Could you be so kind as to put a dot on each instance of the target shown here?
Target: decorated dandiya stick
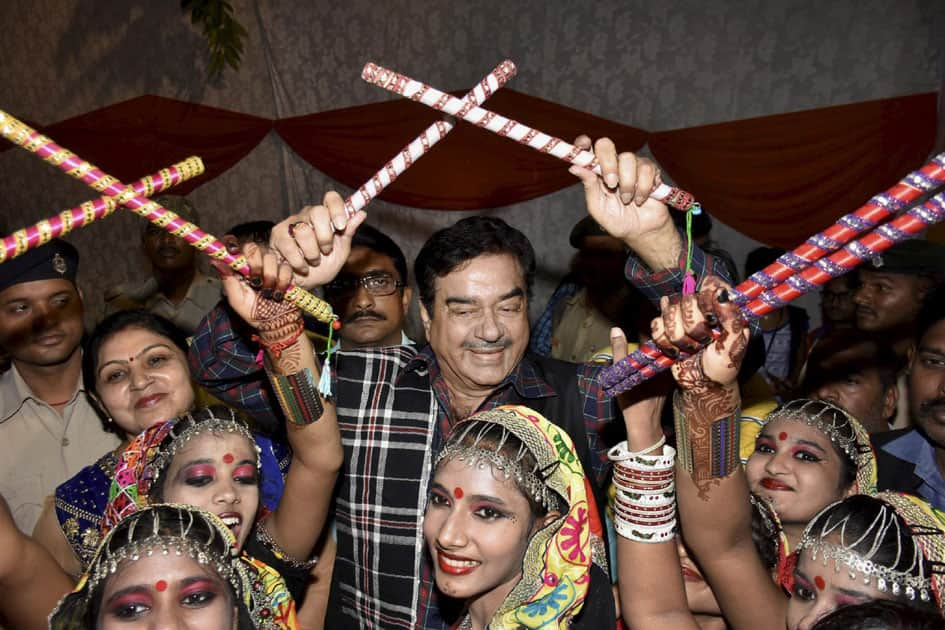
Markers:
(43, 231)
(505, 127)
(868, 216)
(425, 141)
(24, 136)
(649, 360)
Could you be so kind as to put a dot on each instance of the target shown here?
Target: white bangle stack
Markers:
(645, 505)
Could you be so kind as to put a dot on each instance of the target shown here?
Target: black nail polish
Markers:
(724, 297)
(255, 282)
(266, 293)
(277, 295)
(672, 353)
(705, 340)
(711, 319)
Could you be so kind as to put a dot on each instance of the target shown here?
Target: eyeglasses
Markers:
(379, 284)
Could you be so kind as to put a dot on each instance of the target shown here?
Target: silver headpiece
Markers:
(215, 419)
(531, 478)
(162, 529)
(840, 427)
(857, 553)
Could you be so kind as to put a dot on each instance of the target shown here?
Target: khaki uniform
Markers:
(203, 295)
(39, 449)
(579, 332)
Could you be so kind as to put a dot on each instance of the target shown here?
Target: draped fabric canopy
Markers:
(798, 171)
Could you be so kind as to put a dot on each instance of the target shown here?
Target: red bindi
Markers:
(819, 582)
(228, 458)
(782, 435)
(160, 586)
(458, 492)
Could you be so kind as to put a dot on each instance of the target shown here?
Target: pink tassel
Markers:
(689, 284)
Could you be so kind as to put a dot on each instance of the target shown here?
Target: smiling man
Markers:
(396, 405)
(48, 430)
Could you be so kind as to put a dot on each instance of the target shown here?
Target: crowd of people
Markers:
(208, 456)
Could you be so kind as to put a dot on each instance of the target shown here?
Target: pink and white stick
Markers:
(506, 127)
(425, 141)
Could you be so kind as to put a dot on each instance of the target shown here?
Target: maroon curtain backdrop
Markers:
(468, 170)
(142, 135)
(781, 178)
(777, 178)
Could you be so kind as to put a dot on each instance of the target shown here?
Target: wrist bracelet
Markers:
(298, 396)
(263, 536)
(714, 456)
(621, 452)
(645, 534)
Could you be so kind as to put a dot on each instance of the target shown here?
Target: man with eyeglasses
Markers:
(396, 405)
(370, 294)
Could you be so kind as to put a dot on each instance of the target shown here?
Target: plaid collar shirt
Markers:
(394, 412)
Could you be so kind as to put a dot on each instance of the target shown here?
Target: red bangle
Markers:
(276, 347)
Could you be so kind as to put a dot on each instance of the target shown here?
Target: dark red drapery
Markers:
(469, 169)
(776, 178)
(781, 178)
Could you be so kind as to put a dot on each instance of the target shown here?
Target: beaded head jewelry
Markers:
(143, 462)
(480, 442)
(543, 463)
(158, 529)
(893, 541)
(842, 429)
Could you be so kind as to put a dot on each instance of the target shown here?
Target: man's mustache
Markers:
(362, 314)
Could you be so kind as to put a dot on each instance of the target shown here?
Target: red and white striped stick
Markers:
(42, 232)
(425, 141)
(505, 127)
(861, 220)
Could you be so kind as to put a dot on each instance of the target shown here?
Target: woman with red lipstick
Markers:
(507, 527)
(809, 455)
(871, 553)
(165, 566)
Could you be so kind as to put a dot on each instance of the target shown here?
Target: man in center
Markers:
(396, 405)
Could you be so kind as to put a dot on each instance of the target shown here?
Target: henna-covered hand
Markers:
(259, 300)
(688, 324)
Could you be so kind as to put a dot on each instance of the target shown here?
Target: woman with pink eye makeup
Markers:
(507, 527)
(858, 549)
(166, 566)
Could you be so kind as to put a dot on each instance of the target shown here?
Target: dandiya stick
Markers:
(649, 360)
(21, 134)
(868, 216)
(425, 141)
(43, 231)
(505, 127)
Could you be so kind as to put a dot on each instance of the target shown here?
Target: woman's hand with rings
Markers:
(316, 241)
